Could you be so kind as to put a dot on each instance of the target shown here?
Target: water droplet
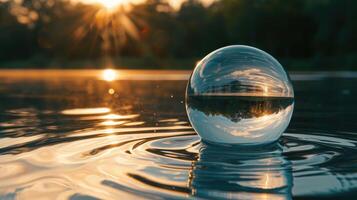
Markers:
(239, 95)
(111, 91)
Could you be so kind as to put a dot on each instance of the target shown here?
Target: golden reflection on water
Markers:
(110, 117)
(85, 111)
(112, 123)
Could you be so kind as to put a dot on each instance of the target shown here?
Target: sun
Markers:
(112, 4)
(107, 4)
(110, 20)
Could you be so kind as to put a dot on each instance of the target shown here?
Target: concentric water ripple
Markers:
(169, 161)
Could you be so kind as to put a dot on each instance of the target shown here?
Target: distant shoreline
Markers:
(134, 74)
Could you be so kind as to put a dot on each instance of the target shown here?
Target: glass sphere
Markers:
(239, 95)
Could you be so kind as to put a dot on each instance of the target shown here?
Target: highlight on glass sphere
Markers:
(239, 95)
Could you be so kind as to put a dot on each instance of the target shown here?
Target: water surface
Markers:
(101, 135)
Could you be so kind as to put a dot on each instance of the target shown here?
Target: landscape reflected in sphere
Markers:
(239, 95)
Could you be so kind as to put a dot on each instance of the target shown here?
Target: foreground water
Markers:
(104, 135)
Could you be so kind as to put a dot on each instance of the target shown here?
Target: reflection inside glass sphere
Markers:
(239, 95)
(240, 119)
(241, 173)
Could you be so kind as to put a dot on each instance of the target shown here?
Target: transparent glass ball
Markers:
(239, 95)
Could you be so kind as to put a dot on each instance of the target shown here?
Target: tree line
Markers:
(302, 34)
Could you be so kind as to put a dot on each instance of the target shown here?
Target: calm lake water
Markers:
(108, 134)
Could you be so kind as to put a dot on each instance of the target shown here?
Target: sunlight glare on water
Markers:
(85, 111)
(109, 75)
